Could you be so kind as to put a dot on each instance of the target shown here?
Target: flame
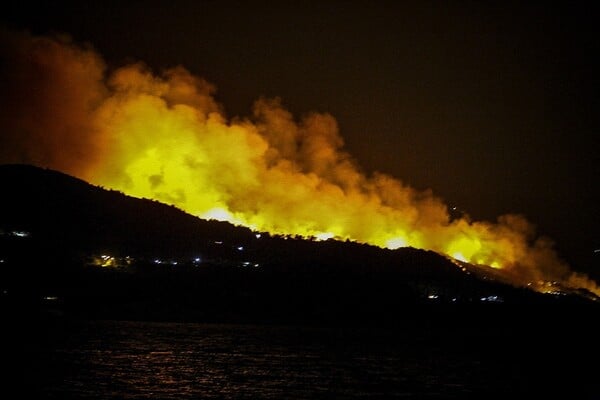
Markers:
(164, 137)
(395, 243)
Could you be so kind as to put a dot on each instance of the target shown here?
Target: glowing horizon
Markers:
(165, 137)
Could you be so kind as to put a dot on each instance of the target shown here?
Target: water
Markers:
(149, 360)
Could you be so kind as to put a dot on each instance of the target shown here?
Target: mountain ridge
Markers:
(107, 254)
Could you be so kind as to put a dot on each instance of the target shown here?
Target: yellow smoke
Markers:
(165, 137)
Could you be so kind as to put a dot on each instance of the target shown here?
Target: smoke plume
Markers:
(163, 136)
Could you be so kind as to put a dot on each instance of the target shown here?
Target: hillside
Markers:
(99, 253)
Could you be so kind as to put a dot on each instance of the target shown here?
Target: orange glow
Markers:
(165, 137)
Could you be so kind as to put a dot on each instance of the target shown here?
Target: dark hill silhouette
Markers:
(65, 209)
(167, 264)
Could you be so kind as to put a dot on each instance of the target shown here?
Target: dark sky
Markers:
(495, 107)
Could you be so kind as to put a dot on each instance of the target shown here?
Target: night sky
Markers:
(493, 108)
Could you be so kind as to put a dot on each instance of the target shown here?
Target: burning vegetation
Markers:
(165, 137)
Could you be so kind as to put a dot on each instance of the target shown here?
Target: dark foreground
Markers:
(441, 353)
(245, 315)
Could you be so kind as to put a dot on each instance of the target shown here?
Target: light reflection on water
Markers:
(144, 360)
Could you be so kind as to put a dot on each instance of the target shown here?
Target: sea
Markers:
(106, 359)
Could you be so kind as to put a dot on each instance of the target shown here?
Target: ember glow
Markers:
(165, 137)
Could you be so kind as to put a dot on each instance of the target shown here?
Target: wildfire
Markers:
(165, 137)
